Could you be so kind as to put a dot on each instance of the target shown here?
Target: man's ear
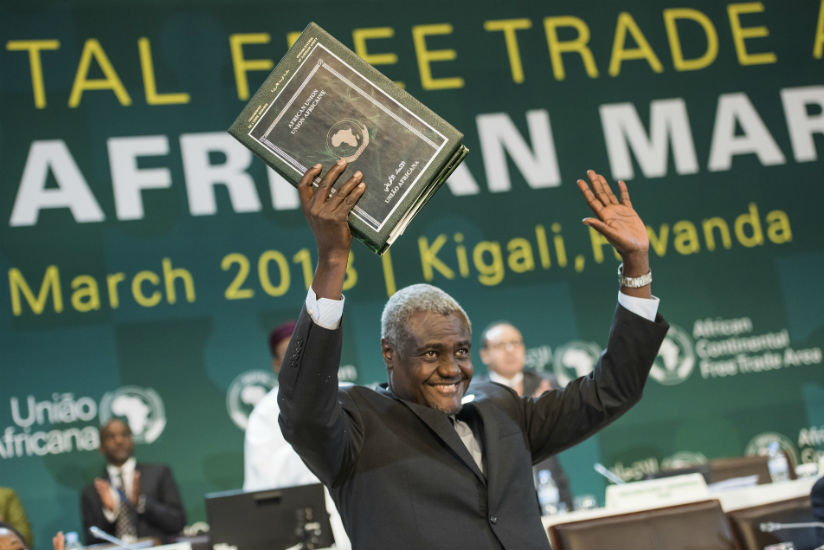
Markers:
(388, 353)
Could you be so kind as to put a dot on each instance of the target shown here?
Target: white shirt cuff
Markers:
(645, 307)
(325, 312)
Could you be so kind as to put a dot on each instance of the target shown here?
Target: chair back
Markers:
(740, 466)
(693, 526)
(746, 525)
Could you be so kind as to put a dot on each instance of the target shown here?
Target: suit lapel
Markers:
(439, 423)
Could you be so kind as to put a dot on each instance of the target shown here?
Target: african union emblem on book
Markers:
(322, 102)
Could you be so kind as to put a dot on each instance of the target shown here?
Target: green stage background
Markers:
(144, 254)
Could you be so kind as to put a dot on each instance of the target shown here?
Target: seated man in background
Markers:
(12, 513)
(131, 500)
(269, 462)
(504, 354)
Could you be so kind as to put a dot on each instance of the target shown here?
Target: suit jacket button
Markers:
(493, 519)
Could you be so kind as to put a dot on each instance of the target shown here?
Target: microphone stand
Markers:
(604, 471)
(770, 526)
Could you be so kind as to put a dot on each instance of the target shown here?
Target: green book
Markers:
(322, 102)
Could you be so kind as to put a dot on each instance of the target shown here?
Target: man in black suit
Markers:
(131, 500)
(414, 463)
(504, 354)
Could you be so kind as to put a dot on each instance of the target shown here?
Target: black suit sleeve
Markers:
(561, 418)
(164, 507)
(312, 419)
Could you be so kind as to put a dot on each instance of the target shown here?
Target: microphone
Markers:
(604, 471)
(770, 526)
(101, 534)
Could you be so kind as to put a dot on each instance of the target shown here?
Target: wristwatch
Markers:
(633, 282)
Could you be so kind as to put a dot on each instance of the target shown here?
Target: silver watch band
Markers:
(633, 282)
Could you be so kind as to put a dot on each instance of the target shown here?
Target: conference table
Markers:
(730, 499)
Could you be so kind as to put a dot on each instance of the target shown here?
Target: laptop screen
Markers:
(272, 519)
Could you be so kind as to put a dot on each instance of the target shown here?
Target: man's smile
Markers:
(447, 388)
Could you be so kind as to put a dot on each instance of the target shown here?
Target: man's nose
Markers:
(449, 367)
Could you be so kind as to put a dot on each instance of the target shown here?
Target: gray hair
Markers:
(405, 302)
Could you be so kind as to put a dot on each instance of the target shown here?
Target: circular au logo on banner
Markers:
(759, 445)
(141, 407)
(676, 358)
(245, 391)
(538, 358)
(574, 359)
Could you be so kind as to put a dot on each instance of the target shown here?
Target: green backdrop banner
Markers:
(145, 254)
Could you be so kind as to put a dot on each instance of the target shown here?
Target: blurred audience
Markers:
(10, 538)
(12, 514)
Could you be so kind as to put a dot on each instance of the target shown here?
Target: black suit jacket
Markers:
(163, 517)
(531, 381)
(399, 473)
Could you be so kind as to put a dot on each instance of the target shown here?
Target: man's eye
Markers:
(462, 352)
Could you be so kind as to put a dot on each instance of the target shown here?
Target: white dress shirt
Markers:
(508, 382)
(127, 469)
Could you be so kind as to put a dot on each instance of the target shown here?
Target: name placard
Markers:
(651, 492)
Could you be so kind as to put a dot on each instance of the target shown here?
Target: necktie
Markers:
(124, 524)
(468, 438)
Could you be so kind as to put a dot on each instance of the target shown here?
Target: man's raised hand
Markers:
(619, 223)
(327, 211)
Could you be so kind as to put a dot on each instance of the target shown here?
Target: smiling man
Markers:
(418, 462)
(426, 341)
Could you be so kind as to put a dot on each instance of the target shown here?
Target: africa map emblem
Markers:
(141, 407)
(347, 139)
